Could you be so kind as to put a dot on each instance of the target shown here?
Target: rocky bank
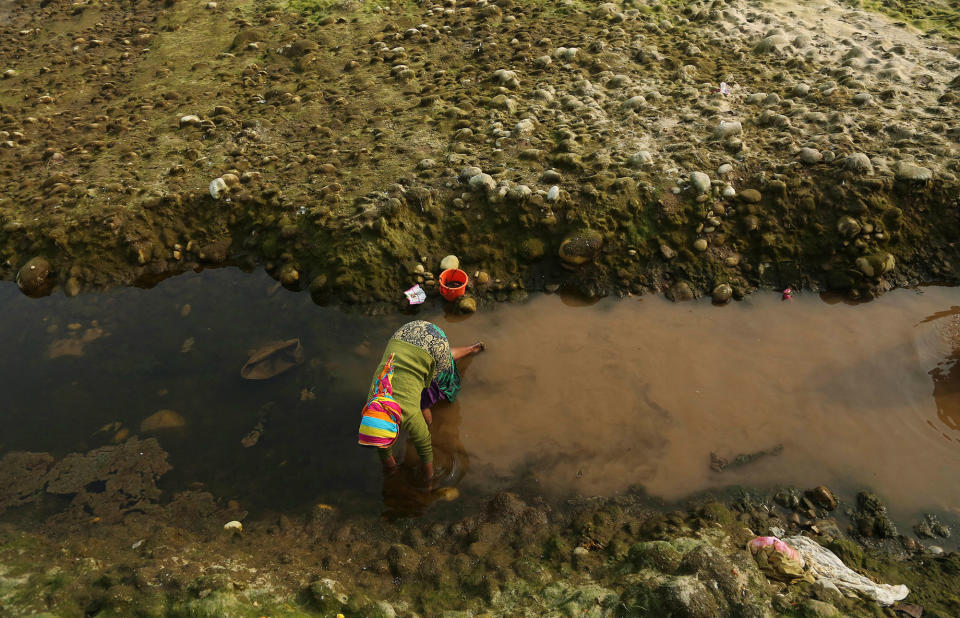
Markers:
(606, 147)
(91, 534)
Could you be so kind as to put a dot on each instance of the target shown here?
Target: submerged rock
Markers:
(162, 419)
(272, 359)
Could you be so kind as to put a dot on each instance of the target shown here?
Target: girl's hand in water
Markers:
(425, 483)
(389, 466)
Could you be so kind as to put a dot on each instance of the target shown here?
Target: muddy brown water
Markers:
(569, 397)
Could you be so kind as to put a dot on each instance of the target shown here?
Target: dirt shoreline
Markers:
(585, 145)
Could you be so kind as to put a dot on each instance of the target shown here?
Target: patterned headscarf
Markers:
(380, 422)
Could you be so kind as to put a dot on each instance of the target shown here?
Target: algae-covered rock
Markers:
(750, 196)
(532, 249)
(722, 294)
(848, 227)
(819, 609)
(21, 477)
(581, 247)
(403, 560)
(683, 596)
(876, 265)
(658, 555)
(909, 171)
(680, 291)
(328, 595)
(467, 304)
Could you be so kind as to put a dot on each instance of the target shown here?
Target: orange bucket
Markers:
(453, 283)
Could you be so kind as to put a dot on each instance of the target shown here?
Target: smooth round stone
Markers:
(729, 191)
(449, 262)
(700, 244)
(34, 278)
(467, 304)
(724, 169)
(722, 294)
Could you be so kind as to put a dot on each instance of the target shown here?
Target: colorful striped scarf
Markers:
(380, 422)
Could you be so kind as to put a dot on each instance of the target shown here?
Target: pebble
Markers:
(189, 120)
(700, 182)
(553, 194)
(635, 102)
(233, 526)
(467, 304)
(217, 188)
(700, 244)
(728, 191)
(750, 196)
(724, 169)
(667, 252)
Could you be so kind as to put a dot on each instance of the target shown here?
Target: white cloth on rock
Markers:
(827, 567)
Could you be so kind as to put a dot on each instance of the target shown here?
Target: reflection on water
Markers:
(591, 399)
(946, 375)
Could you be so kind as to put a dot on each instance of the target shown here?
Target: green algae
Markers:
(939, 15)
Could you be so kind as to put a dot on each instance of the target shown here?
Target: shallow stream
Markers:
(567, 398)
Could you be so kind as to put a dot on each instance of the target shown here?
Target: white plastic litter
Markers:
(827, 568)
(416, 295)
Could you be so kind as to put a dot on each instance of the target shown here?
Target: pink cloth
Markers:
(760, 542)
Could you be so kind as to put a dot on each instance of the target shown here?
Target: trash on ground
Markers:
(416, 295)
(272, 359)
(777, 560)
(799, 558)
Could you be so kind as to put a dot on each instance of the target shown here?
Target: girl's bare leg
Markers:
(467, 350)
